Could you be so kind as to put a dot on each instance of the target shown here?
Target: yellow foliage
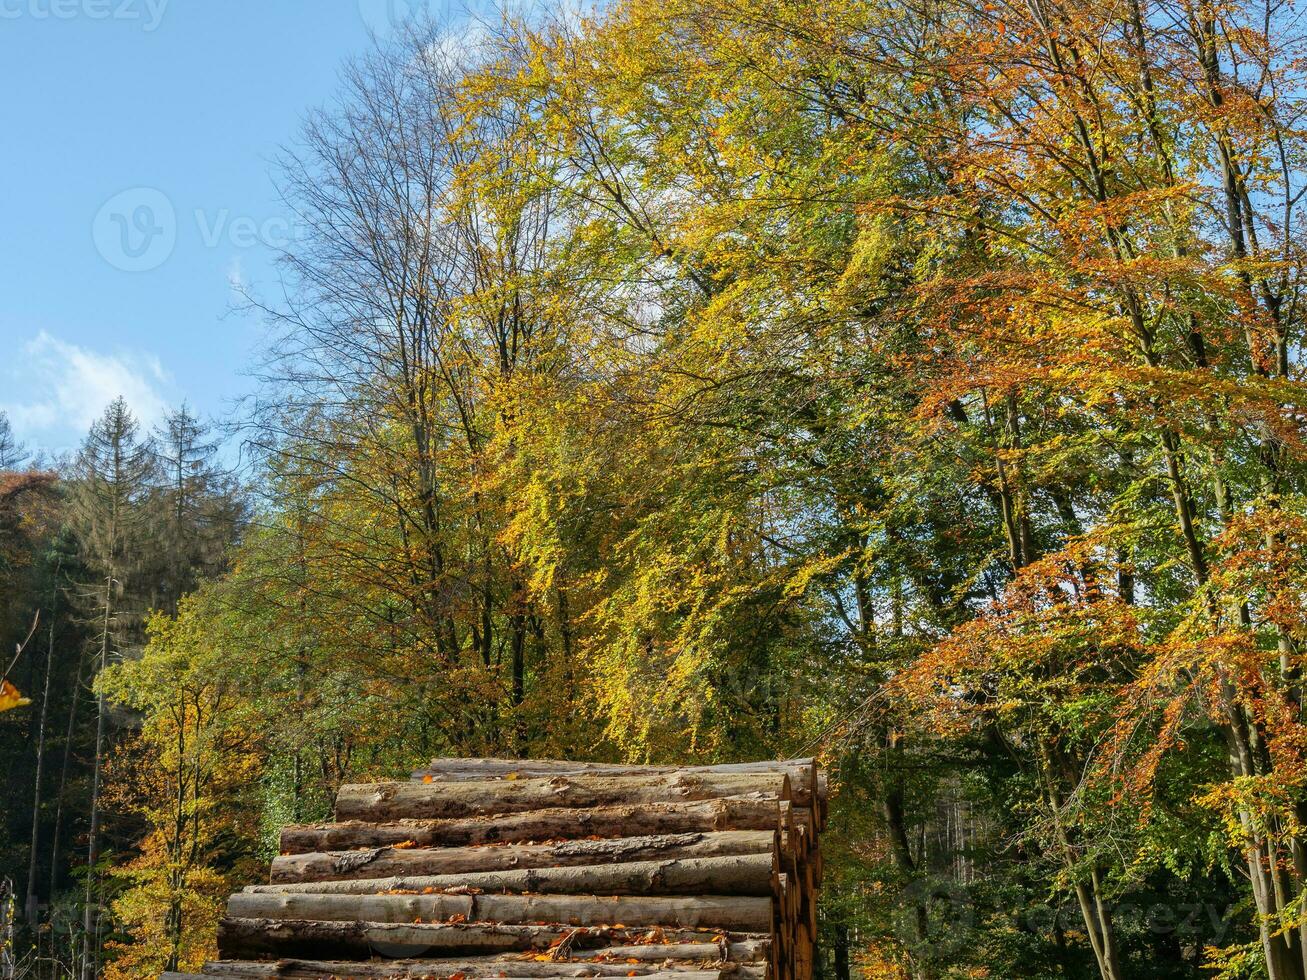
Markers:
(10, 698)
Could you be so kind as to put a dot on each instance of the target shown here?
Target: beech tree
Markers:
(919, 384)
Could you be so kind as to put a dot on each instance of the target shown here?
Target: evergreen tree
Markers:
(197, 507)
(112, 478)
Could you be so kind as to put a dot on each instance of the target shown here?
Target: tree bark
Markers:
(745, 874)
(803, 773)
(739, 813)
(388, 861)
(386, 801)
(736, 913)
(583, 962)
(497, 967)
(254, 938)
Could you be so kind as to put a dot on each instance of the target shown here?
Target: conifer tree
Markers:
(113, 474)
(196, 507)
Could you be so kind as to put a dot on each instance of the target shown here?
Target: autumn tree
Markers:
(917, 383)
(185, 775)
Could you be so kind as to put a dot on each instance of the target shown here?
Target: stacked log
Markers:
(533, 869)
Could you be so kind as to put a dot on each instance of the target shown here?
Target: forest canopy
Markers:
(915, 384)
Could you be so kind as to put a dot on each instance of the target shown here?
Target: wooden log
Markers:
(476, 968)
(275, 938)
(499, 768)
(389, 801)
(782, 932)
(803, 773)
(555, 823)
(602, 961)
(511, 858)
(746, 951)
(732, 912)
(384, 862)
(743, 874)
(803, 959)
(799, 822)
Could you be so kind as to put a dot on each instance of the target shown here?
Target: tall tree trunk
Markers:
(63, 781)
(90, 918)
(30, 903)
(894, 812)
(841, 952)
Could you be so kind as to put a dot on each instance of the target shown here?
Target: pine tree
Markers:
(113, 474)
(197, 507)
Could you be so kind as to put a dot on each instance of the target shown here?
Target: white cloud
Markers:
(59, 389)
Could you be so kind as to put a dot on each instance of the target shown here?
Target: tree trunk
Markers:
(1094, 909)
(63, 782)
(841, 952)
(90, 918)
(894, 811)
(30, 903)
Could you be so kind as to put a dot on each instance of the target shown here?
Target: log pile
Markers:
(533, 869)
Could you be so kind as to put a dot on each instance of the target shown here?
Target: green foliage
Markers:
(915, 384)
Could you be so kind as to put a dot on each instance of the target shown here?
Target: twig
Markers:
(36, 621)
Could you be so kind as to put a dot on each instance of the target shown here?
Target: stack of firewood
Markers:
(528, 869)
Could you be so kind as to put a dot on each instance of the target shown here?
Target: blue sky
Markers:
(137, 183)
